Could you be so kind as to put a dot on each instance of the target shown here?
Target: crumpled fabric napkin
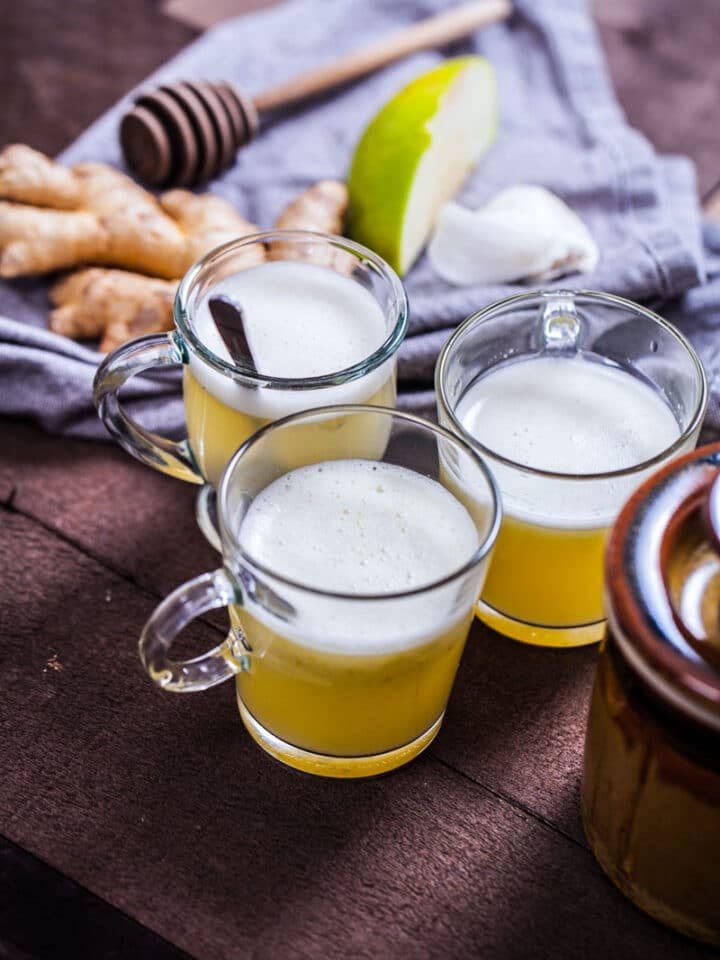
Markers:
(561, 127)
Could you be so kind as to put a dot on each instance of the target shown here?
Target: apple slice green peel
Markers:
(415, 155)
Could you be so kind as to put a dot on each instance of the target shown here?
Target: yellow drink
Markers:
(216, 430)
(579, 418)
(550, 578)
(347, 706)
(353, 682)
(302, 321)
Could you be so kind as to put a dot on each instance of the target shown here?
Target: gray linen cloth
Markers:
(560, 127)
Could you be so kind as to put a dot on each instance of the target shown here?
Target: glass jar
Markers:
(651, 778)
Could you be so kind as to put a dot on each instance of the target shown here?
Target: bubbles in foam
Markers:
(301, 320)
(571, 415)
(358, 526)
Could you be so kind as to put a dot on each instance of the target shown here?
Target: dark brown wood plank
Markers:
(202, 14)
(516, 724)
(63, 64)
(141, 522)
(41, 909)
(163, 806)
(425, 863)
(517, 716)
(663, 58)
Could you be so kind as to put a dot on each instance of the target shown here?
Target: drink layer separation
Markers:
(365, 662)
(301, 321)
(576, 417)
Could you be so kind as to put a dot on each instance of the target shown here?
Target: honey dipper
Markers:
(186, 132)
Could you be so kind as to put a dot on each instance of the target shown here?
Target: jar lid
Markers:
(662, 575)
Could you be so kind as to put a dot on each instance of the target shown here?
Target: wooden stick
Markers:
(432, 32)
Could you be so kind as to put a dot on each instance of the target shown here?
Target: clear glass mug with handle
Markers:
(350, 583)
(322, 319)
(573, 398)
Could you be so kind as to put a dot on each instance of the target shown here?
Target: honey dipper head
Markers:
(185, 133)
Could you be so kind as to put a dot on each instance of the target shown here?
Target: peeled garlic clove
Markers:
(577, 251)
(469, 247)
(523, 232)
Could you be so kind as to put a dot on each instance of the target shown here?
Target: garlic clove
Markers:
(470, 247)
(524, 232)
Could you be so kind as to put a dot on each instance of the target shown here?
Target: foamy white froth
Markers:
(301, 320)
(566, 415)
(361, 527)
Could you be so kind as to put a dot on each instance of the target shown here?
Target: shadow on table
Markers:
(516, 722)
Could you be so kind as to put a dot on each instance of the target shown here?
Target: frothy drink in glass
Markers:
(573, 398)
(570, 416)
(301, 321)
(360, 678)
(351, 584)
(315, 320)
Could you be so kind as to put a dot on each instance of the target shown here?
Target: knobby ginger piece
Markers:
(135, 232)
(38, 240)
(28, 176)
(321, 208)
(115, 305)
(210, 221)
(118, 305)
(116, 223)
(54, 217)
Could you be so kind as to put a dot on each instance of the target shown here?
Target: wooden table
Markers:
(159, 827)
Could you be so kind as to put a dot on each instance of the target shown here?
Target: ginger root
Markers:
(37, 240)
(28, 176)
(132, 248)
(114, 221)
(209, 221)
(114, 305)
(321, 208)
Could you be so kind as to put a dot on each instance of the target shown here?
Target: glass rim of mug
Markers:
(608, 298)
(254, 378)
(482, 551)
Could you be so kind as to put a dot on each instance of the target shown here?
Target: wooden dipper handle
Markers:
(432, 32)
(186, 132)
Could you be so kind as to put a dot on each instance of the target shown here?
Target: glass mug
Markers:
(351, 584)
(572, 398)
(313, 301)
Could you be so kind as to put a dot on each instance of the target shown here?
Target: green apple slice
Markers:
(415, 155)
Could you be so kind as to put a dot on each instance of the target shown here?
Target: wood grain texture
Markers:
(46, 909)
(201, 14)
(162, 805)
(95, 495)
(62, 64)
(517, 715)
(516, 724)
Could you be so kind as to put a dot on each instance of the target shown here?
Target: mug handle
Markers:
(177, 610)
(167, 456)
